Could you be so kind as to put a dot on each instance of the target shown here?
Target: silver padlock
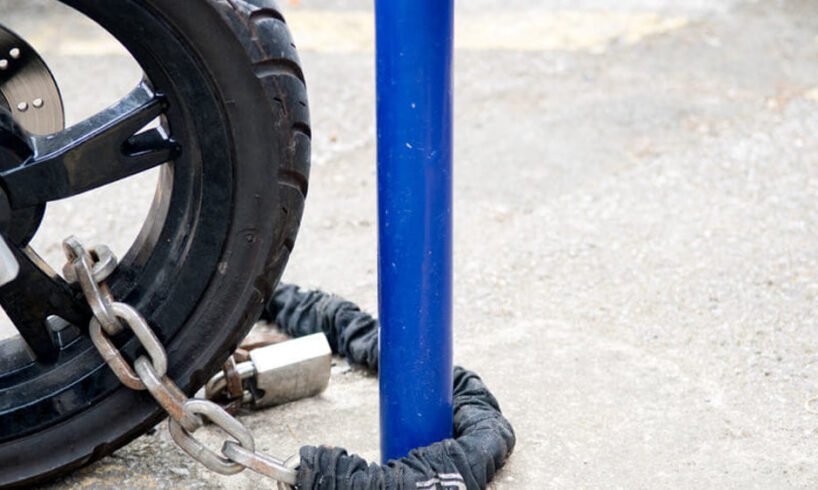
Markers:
(283, 372)
(292, 370)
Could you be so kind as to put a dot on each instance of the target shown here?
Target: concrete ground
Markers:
(636, 261)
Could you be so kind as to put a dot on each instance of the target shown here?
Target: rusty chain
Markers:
(91, 268)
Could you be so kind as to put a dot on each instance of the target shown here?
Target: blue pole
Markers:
(414, 74)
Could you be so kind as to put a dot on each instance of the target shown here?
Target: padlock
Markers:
(281, 373)
(291, 370)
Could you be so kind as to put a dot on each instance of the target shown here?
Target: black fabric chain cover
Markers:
(483, 439)
(351, 333)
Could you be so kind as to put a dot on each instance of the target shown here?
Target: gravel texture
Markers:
(636, 229)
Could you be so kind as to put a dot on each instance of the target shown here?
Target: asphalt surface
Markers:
(636, 261)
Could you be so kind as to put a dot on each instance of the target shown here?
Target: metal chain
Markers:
(91, 268)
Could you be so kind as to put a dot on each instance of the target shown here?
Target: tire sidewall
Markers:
(250, 264)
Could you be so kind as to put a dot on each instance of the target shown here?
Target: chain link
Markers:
(167, 395)
(222, 380)
(91, 275)
(91, 268)
(143, 333)
(223, 420)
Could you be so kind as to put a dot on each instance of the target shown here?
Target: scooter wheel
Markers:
(216, 241)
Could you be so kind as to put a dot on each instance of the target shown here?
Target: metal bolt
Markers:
(4, 64)
(14, 53)
(22, 106)
(38, 103)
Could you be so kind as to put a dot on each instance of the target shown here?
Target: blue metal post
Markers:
(414, 65)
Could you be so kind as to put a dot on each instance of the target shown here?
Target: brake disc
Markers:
(27, 87)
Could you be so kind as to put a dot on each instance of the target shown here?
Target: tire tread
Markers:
(265, 36)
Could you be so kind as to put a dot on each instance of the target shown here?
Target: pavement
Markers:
(636, 226)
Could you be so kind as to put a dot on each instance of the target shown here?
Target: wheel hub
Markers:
(30, 103)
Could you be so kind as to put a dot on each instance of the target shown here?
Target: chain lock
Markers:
(277, 373)
(91, 268)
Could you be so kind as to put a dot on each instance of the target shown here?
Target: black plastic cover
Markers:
(483, 439)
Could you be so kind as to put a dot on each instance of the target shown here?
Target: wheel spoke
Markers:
(36, 294)
(96, 152)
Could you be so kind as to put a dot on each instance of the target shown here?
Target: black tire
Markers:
(245, 49)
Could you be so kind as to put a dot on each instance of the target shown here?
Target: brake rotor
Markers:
(28, 89)
(29, 92)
